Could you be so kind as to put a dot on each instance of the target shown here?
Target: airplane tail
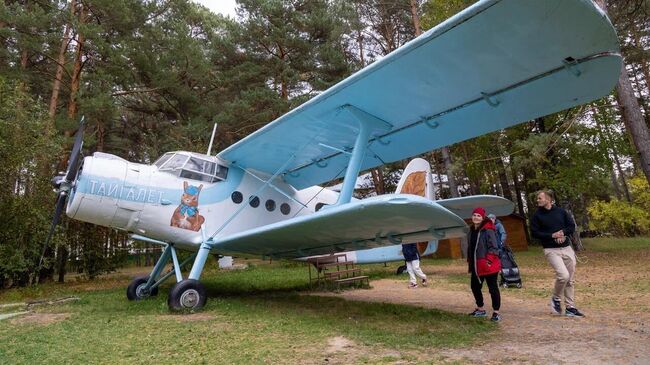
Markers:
(417, 180)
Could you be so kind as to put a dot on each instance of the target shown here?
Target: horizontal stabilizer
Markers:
(374, 222)
(464, 206)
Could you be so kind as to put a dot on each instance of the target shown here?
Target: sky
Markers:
(225, 7)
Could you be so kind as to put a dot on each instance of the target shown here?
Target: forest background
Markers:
(153, 76)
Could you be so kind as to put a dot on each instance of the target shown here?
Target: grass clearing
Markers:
(255, 315)
(262, 315)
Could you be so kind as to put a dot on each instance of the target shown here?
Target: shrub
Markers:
(619, 218)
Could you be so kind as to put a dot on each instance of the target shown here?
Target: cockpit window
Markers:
(163, 159)
(204, 170)
(174, 163)
(192, 167)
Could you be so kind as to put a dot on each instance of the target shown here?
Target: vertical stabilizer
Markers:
(417, 180)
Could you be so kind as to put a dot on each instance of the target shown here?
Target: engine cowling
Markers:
(108, 192)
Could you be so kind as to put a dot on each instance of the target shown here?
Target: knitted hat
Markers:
(480, 211)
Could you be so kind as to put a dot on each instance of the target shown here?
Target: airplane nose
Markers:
(57, 180)
(64, 182)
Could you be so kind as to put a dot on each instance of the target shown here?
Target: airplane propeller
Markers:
(64, 182)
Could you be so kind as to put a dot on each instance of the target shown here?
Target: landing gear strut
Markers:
(190, 295)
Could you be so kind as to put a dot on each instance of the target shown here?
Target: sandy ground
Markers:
(529, 333)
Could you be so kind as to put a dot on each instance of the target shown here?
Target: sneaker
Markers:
(425, 282)
(555, 306)
(496, 317)
(478, 313)
(412, 286)
(573, 312)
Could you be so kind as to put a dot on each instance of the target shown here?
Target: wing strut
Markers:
(208, 244)
(368, 123)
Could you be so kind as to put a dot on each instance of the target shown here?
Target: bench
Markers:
(351, 280)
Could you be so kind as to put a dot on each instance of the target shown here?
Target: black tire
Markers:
(135, 290)
(505, 285)
(187, 295)
(401, 270)
(519, 285)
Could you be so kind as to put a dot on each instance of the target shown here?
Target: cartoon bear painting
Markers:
(187, 216)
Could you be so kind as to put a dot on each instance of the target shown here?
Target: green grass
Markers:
(257, 315)
(264, 314)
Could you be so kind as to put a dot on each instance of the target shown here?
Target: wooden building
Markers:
(515, 229)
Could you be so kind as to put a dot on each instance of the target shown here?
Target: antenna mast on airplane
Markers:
(214, 131)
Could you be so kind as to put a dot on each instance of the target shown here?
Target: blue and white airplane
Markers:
(496, 64)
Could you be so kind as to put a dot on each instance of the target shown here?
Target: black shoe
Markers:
(573, 312)
(556, 306)
(478, 313)
(496, 317)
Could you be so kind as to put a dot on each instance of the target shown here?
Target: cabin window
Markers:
(285, 208)
(254, 201)
(237, 197)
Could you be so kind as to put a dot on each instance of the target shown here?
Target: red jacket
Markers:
(486, 250)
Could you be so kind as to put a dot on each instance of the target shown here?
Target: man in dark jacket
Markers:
(553, 226)
(412, 258)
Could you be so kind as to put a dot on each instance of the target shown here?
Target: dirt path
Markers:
(529, 333)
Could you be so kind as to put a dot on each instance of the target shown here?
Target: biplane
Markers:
(495, 64)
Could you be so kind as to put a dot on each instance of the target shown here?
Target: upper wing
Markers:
(378, 221)
(496, 64)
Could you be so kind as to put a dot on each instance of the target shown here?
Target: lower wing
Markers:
(463, 206)
(374, 222)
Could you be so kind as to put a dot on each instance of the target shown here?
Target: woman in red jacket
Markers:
(483, 262)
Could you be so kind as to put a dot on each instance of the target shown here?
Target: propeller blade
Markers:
(63, 184)
(73, 162)
(60, 205)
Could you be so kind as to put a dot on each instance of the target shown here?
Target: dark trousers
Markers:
(477, 284)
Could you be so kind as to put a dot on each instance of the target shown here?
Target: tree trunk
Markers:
(626, 190)
(451, 180)
(503, 179)
(416, 18)
(76, 70)
(631, 112)
(56, 86)
(520, 204)
(617, 189)
(634, 121)
(378, 181)
(62, 260)
(604, 136)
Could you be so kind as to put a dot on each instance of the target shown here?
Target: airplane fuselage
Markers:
(167, 205)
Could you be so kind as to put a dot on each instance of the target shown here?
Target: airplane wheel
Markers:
(136, 290)
(401, 270)
(187, 295)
